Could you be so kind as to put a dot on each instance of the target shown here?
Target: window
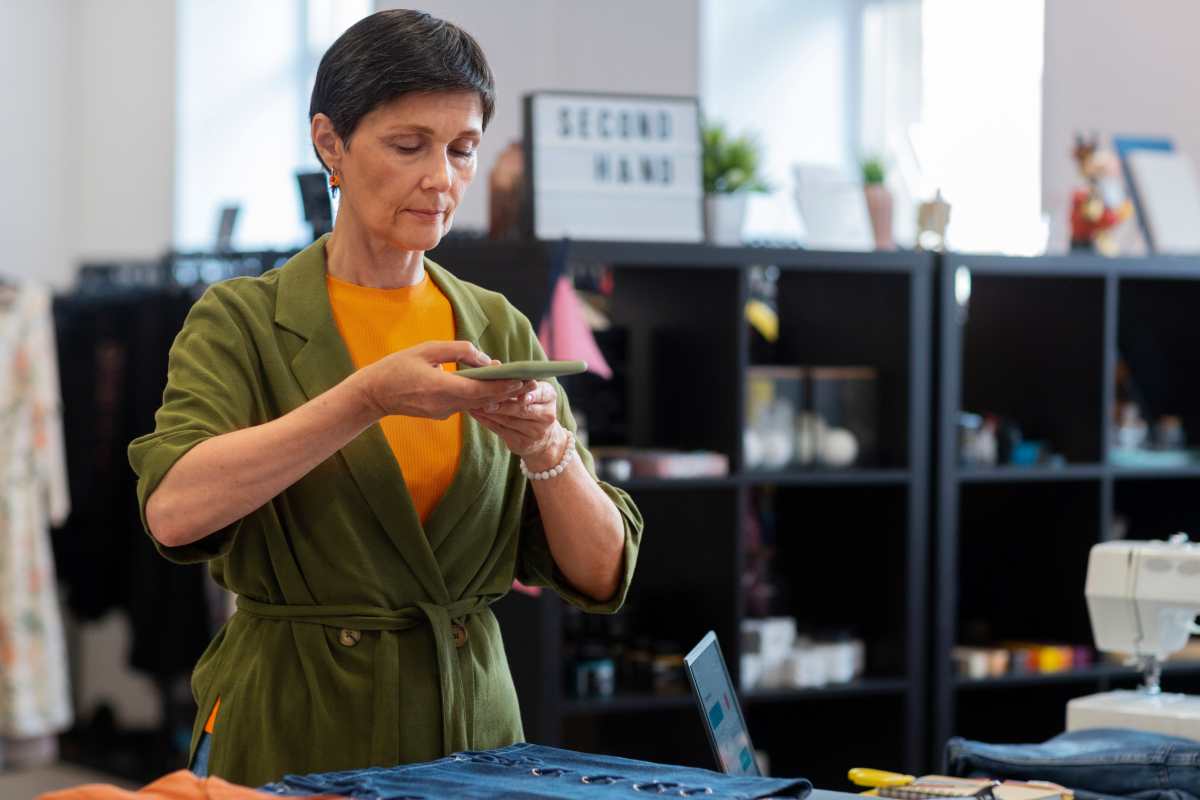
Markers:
(244, 77)
(947, 91)
(980, 134)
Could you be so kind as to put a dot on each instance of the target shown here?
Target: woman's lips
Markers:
(425, 216)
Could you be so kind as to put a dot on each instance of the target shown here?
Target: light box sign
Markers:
(613, 167)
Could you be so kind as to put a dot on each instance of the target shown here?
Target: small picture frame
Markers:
(613, 167)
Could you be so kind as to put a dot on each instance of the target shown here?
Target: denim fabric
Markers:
(1098, 764)
(533, 771)
(200, 762)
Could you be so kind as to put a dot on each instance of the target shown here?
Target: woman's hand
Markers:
(412, 382)
(584, 529)
(528, 425)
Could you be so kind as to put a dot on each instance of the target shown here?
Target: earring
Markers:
(334, 181)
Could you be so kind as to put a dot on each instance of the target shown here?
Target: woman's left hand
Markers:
(528, 425)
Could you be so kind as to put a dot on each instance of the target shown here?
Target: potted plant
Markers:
(879, 202)
(731, 172)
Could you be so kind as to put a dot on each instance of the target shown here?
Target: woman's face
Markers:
(407, 165)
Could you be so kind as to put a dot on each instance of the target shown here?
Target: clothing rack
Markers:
(188, 270)
(115, 326)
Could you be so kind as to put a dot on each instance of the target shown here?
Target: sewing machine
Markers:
(1143, 599)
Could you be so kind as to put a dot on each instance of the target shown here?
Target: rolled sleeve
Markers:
(536, 567)
(209, 392)
(535, 563)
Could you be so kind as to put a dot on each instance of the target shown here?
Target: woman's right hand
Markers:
(412, 382)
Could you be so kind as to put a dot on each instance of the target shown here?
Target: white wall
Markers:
(121, 125)
(34, 48)
(614, 46)
(89, 96)
(1117, 68)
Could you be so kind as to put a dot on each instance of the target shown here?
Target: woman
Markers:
(366, 504)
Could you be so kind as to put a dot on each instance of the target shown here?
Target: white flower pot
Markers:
(724, 216)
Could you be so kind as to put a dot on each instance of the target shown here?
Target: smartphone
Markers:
(524, 370)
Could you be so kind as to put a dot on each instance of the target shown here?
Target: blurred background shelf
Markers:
(1037, 341)
(1013, 474)
(847, 477)
(651, 484)
(1154, 473)
(626, 702)
(863, 687)
(1099, 672)
(680, 384)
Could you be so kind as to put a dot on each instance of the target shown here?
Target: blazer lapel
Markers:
(302, 306)
(479, 445)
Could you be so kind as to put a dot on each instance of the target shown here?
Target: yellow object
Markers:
(877, 778)
(764, 319)
(1054, 659)
(939, 787)
(377, 322)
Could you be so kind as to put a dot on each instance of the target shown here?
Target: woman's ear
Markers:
(327, 142)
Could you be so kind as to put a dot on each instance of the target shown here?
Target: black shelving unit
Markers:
(1037, 339)
(852, 545)
(1099, 672)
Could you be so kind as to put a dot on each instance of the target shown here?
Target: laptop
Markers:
(719, 708)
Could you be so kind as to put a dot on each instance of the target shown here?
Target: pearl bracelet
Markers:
(554, 471)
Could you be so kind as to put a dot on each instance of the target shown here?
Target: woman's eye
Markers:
(404, 149)
(463, 153)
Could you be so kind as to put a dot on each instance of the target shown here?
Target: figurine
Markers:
(1100, 206)
(933, 217)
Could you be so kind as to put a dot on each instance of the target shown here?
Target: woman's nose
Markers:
(438, 176)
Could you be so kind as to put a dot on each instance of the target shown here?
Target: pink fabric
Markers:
(565, 334)
(532, 591)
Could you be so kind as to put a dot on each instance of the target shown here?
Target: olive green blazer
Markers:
(362, 637)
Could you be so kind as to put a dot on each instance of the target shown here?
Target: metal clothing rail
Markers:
(177, 270)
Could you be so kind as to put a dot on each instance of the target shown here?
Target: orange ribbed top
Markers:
(377, 322)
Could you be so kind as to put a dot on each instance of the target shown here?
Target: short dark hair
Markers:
(392, 53)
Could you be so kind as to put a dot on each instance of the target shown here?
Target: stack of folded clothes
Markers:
(1097, 764)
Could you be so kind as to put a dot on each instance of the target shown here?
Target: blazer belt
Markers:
(373, 618)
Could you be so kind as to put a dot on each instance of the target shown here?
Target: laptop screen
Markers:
(720, 709)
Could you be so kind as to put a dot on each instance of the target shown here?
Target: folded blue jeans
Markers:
(1098, 764)
(533, 771)
(200, 762)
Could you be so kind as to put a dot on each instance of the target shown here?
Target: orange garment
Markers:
(179, 785)
(377, 322)
(212, 718)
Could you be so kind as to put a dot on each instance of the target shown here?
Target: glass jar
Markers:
(845, 416)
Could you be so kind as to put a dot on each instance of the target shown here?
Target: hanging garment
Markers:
(113, 349)
(564, 333)
(34, 694)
